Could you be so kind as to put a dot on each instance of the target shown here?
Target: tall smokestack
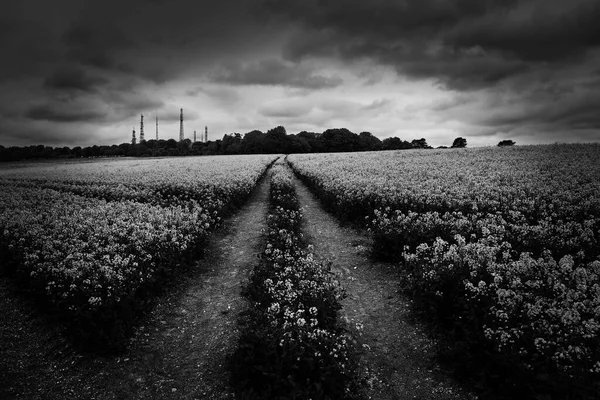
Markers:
(181, 125)
(142, 129)
(194, 136)
(133, 137)
(156, 128)
(206, 134)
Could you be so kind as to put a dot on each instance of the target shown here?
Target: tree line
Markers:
(274, 141)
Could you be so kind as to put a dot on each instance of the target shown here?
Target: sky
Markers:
(81, 72)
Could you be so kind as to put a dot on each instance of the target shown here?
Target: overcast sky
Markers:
(81, 72)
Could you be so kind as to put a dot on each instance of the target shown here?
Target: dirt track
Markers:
(179, 353)
(398, 361)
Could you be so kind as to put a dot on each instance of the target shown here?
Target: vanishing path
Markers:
(401, 361)
(179, 353)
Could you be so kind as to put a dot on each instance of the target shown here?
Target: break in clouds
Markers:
(81, 72)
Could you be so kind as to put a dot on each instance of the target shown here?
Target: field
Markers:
(494, 251)
(499, 245)
(96, 239)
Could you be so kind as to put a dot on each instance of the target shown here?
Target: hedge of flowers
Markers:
(293, 346)
(98, 262)
(538, 316)
(393, 231)
(500, 246)
(93, 259)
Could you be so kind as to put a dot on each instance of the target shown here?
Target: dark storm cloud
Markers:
(26, 49)
(136, 37)
(535, 30)
(42, 132)
(466, 43)
(274, 72)
(101, 64)
(532, 53)
(95, 42)
(106, 107)
(155, 40)
(460, 69)
(57, 112)
(131, 104)
(544, 107)
(72, 78)
(574, 111)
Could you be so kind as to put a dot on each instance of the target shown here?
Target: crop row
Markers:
(166, 182)
(92, 259)
(293, 346)
(498, 245)
(97, 262)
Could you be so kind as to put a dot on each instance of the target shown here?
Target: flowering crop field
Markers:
(208, 181)
(97, 239)
(499, 244)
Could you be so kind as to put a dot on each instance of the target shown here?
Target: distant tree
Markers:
(142, 150)
(368, 142)
(504, 143)
(39, 151)
(123, 149)
(212, 148)
(231, 144)
(184, 146)
(114, 150)
(96, 151)
(394, 143)
(63, 152)
(253, 142)
(17, 153)
(160, 152)
(298, 144)
(314, 141)
(78, 151)
(442, 147)
(420, 144)
(459, 143)
(151, 144)
(276, 141)
(339, 140)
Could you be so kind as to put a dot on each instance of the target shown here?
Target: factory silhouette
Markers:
(204, 139)
(274, 141)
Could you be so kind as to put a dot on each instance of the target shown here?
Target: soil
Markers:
(179, 352)
(398, 357)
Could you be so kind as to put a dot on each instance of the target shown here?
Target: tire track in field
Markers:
(398, 361)
(181, 350)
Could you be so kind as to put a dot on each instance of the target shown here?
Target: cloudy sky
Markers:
(80, 72)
